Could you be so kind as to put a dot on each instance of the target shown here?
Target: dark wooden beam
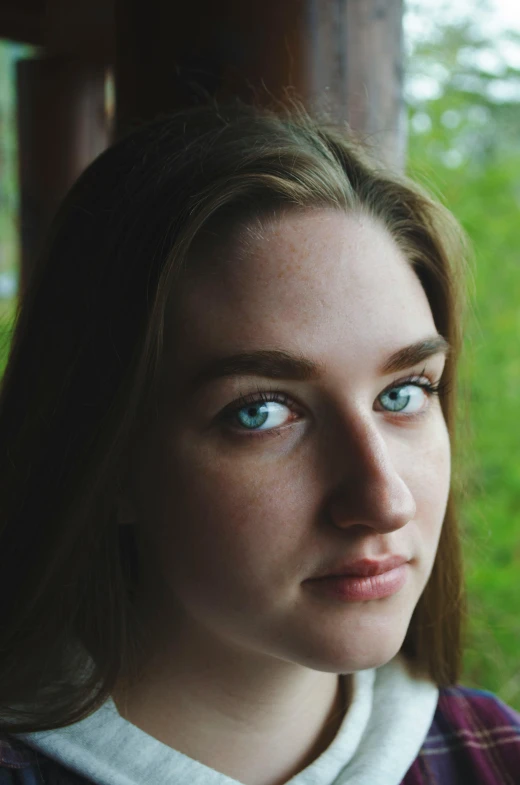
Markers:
(61, 112)
(23, 21)
(341, 54)
(83, 28)
(61, 128)
(355, 69)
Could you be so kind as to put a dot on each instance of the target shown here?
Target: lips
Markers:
(365, 567)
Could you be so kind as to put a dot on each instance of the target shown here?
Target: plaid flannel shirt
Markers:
(474, 739)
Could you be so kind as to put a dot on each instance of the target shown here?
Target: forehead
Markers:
(316, 282)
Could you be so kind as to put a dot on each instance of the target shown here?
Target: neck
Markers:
(259, 722)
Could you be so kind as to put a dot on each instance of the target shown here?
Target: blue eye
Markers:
(256, 415)
(399, 397)
(269, 411)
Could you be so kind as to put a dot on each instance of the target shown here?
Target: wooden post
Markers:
(61, 112)
(175, 54)
(344, 55)
(355, 69)
(61, 128)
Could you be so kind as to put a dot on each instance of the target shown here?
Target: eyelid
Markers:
(410, 379)
(262, 395)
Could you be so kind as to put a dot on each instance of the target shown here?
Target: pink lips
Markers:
(366, 567)
(366, 579)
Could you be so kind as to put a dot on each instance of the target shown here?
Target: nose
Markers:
(370, 490)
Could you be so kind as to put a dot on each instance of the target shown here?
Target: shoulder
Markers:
(474, 737)
(475, 709)
(20, 765)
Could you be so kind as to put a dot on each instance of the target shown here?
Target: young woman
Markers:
(229, 547)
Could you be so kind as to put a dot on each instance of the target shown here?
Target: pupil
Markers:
(253, 416)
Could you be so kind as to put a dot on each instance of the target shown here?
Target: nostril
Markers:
(386, 505)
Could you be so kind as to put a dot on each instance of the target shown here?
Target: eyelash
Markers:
(261, 396)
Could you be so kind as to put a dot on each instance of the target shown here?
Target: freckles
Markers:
(431, 480)
(280, 260)
(261, 506)
(218, 493)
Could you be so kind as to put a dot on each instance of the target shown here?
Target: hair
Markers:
(84, 370)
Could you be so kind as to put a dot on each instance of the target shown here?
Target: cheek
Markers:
(432, 486)
(225, 518)
(237, 520)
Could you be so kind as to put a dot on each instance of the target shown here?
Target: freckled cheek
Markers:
(222, 512)
(431, 483)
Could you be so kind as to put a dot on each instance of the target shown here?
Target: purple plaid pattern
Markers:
(474, 739)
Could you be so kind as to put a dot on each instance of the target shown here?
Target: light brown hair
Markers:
(84, 369)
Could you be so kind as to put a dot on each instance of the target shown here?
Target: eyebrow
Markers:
(277, 364)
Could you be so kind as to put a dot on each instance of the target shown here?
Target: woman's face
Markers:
(328, 460)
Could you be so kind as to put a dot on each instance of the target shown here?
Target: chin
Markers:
(363, 649)
(372, 659)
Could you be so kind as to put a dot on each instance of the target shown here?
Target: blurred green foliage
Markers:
(9, 53)
(486, 203)
(9, 196)
(7, 308)
(463, 104)
(463, 99)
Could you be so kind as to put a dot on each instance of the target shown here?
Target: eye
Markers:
(407, 397)
(260, 412)
(270, 411)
